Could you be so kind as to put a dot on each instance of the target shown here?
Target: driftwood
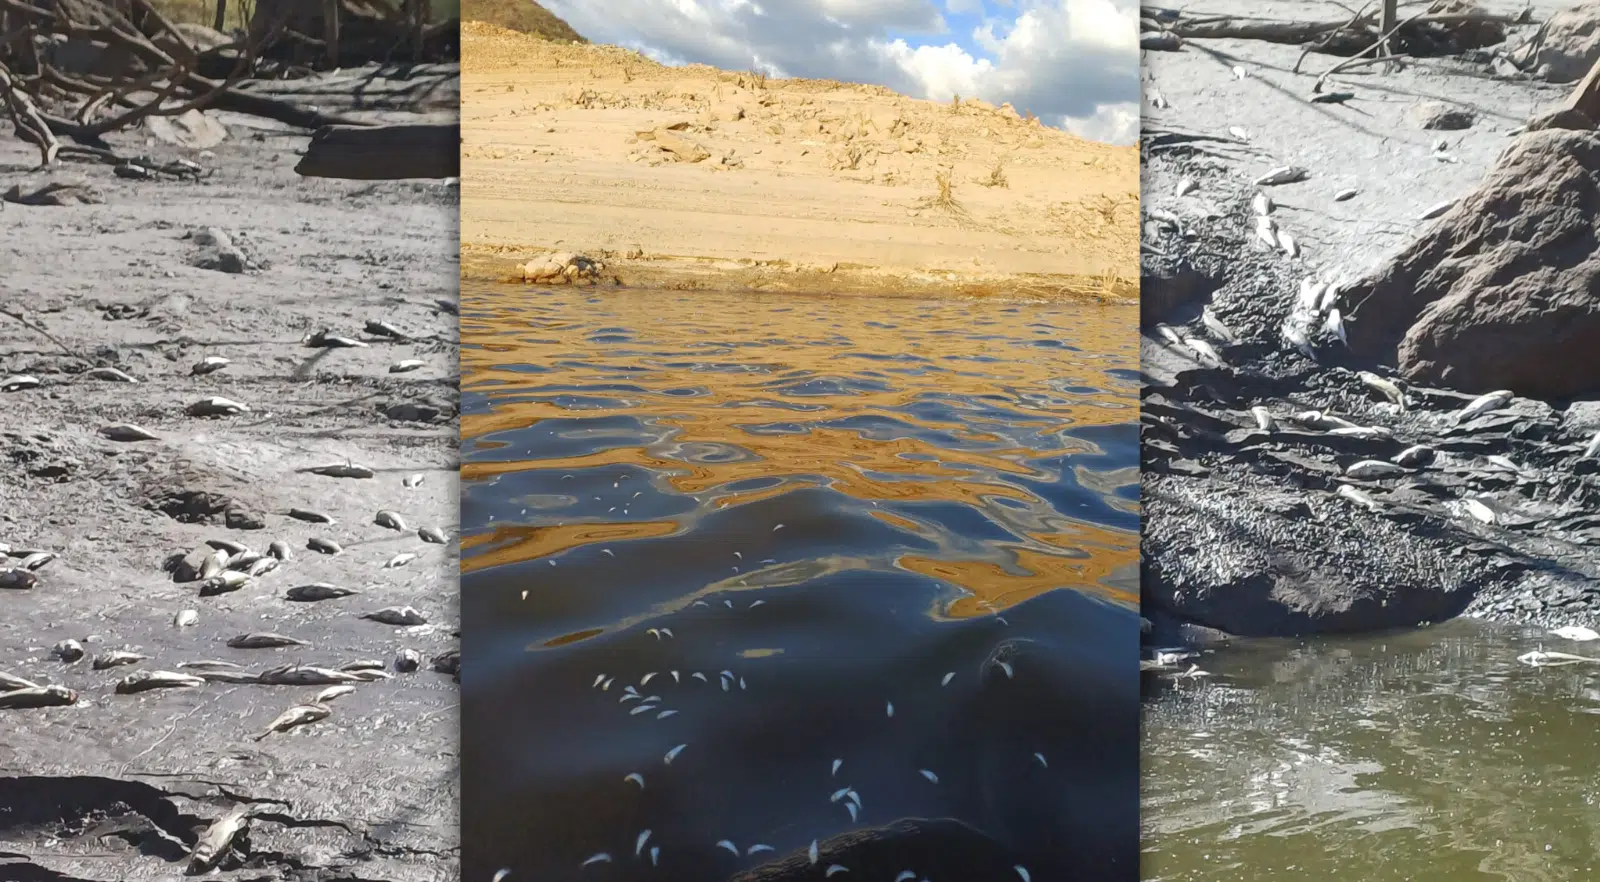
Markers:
(1585, 96)
(383, 153)
(1348, 34)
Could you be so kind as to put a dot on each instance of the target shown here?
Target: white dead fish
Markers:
(639, 841)
(1484, 404)
(1344, 195)
(1437, 210)
(1576, 633)
(1539, 658)
(399, 616)
(299, 715)
(1370, 433)
(932, 778)
(18, 382)
(264, 640)
(383, 329)
(127, 432)
(1373, 468)
(1263, 417)
(1387, 388)
(1283, 174)
(432, 534)
(209, 364)
(1262, 204)
(1335, 325)
(333, 692)
(1168, 334)
(391, 520)
(1295, 336)
(399, 560)
(1187, 186)
(410, 364)
(601, 858)
(144, 681)
(1216, 327)
(216, 405)
(1330, 297)
(728, 844)
(1478, 511)
(217, 839)
(1359, 498)
(186, 618)
(411, 481)
(117, 658)
(1239, 133)
(1415, 455)
(672, 754)
(1267, 231)
(1310, 295)
(1206, 351)
(635, 778)
(1593, 449)
(109, 373)
(1288, 244)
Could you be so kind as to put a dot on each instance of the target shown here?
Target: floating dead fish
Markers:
(145, 681)
(1437, 210)
(932, 778)
(324, 340)
(406, 366)
(1387, 388)
(432, 534)
(1187, 186)
(117, 658)
(389, 519)
(299, 715)
(342, 470)
(280, 550)
(332, 693)
(383, 329)
(834, 870)
(17, 580)
(324, 546)
(399, 560)
(1358, 497)
(727, 844)
(1022, 873)
(1484, 404)
(1262, 204)
(310, 516)
(307, 675)
(411, 481)
(1373, 468)
(672, 754)
(1263, 417)
(316, 591)
(209, 364)
(1415, 455)
(1537, 658)
(601, 858)
(128, 432)
(1576, 633)
(217, 406)
(18, 382)
(68, 650)
(1283, 174)
(400, 616)
(34, 697)
(264, 640)
(110, 374)
(407, 661)
(186, 618)
(223, 583)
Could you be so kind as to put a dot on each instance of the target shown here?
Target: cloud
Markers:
(1070, 62)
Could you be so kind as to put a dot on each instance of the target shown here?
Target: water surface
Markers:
(864, 559)
(1432, 756)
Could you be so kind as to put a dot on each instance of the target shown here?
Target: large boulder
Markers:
(1566, 47)
(1503, 290)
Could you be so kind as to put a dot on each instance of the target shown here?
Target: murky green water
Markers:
(1422, 757)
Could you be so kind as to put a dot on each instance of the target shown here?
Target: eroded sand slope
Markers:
(803, 184)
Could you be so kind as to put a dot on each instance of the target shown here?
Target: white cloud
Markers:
(1075, 61)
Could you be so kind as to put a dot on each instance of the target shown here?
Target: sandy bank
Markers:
(770, 184)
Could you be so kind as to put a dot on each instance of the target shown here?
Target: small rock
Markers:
(1439, 116)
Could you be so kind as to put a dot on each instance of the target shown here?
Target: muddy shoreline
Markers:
(1246, 530)
(118, 786)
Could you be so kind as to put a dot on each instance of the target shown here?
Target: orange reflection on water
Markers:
(761, 344)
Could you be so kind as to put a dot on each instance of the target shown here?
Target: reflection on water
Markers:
(819, 543)
(1423, 757)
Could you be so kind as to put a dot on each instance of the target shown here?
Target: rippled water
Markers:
(1422, 757)
(824, 540)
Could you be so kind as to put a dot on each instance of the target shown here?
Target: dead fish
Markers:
(1170, 335)
(1283, 174)
(1262, 204)
(1415, 455)
(214, 564)
(236, 677)
(324, 340)
(1437, 210)
(1310, 294)
(1239, 73)
(264, 640)
(17, 580)
(127, 432)
(1264, 420)
(1478, 511)
(1267, 231)
(307, 675)
(1345, 195)
(391, 520)
(325, 546)
(316, 591)
(1593, 449)
(280, 550)
(310, 516)
(1334, 325)
(145, 681)
(262, 567)
(185, 618)
(117, 658)
(1216, 327)
(1370, 433)
(37, 697)
(223, 583)
(1316, 419)
(210, 665)
(407, 661)
(411, 481)
(383, 329)
(401, 367)
(1287, 244)
(244, 560)
(1483, 404)
(18, 382)
(299, 715)
(363, 664)
(68, 650)
(1359, 498)
(400, 616)
(1386, 388)
(342, 470)
(1239, 133)
(109, 373)
(1206, 351)
(209, 364)
(1295, 336)
(12, 681)
(432, 534)
(399, 560)
(1373, 468)
(331, 693)
(36, 561)
(1187, 186)
(217, 406)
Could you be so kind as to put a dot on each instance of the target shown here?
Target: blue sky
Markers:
(1074, 63)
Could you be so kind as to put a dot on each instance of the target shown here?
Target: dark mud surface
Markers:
(1245, 530)
(846, 572)
(115, 788)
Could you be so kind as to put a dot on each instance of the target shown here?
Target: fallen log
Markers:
(383, 153)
